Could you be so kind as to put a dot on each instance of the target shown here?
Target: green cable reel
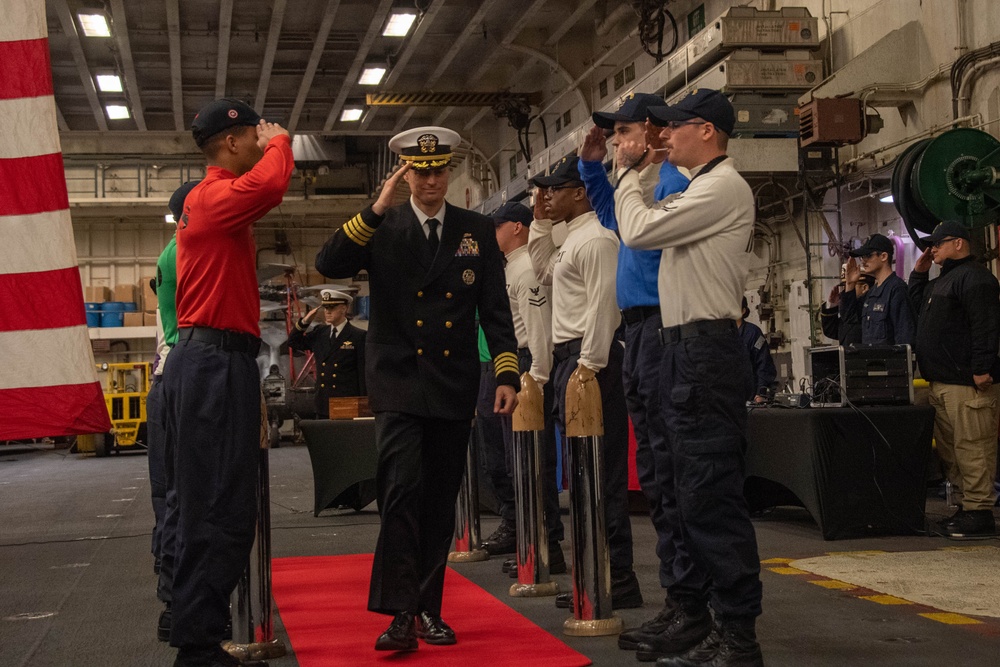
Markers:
(955, 176)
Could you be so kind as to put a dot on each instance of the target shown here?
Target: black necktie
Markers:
(432, 236)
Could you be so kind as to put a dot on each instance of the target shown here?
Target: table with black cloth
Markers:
(833, 462)
(344, 459)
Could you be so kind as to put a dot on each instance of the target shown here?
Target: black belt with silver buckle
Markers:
(670, 335)
(639, 313)
(231, 341)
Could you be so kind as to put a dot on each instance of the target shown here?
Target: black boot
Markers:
(503, 540)
(700, 655)
(971, 523)
(630, 639)
(163, 625)
(688, 627)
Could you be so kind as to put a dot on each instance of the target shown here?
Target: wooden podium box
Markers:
(349, 407)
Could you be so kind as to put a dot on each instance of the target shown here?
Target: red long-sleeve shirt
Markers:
(216, 253)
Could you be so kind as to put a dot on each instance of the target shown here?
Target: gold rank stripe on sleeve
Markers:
(358, 231)
(506, 362)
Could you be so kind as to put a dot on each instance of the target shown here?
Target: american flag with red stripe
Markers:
(48, 383)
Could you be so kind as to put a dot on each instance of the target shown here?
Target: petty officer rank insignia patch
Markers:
(468, 276)
(469, 247)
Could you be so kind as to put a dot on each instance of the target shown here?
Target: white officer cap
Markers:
(332, 297)
(428, 147)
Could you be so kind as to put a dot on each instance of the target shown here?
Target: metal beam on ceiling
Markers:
(518, 76)
(76, 48)
(277, 17)
(403, 120)
(582, 8)
(460, 41)
(225, 31)
(60, 119)
(174, 41)
(423, 24)
(317, 52)
(374, 29)
(551, 62)
(120, 22)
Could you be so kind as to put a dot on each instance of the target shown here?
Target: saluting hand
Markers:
(310, 315)
(539, 212)
(595, 146)
(851, 274)
(506, 400)
(384, 201)
(267, 131)
(923, 263)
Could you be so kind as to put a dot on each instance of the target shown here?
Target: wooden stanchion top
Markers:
(584, 416)
(529, 415)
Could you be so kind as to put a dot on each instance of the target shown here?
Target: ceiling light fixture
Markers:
(351, 115)
(169, 217)
(109, 83)
(372, 75)
(117, 111)
(94, 25)
(399, 25)
(886, 199)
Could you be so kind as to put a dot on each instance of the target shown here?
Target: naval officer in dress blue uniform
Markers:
(430, 266)
(338, 348)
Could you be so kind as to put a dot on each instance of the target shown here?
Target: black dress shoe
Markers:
(163, 625)
(509, 563)
(433, 630)
(400, 636)
(564, 600)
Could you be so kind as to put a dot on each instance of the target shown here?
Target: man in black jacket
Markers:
(338, 348)
(958, 330)
(887, 317)
(430, 266)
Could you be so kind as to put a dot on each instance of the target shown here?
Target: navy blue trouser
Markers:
(550, 493)
(421, 461)
(615, 472)
(494, 452)
(641, 379)
(703, 387)
(155, 448)
(212, 402)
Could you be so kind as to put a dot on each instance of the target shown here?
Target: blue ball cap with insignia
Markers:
(565, 171)
(704, 103)
(221, 115)
(948, 229)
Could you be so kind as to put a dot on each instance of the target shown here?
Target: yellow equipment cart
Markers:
(125, 390)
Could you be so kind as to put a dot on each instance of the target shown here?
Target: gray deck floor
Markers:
(77, 589)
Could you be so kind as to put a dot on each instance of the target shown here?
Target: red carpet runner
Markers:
(322, 602)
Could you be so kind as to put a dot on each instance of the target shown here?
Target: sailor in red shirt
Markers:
(211, 382)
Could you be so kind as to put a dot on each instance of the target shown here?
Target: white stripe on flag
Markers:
(30, 127)
(23, 19)
(46, 357)
(39, 242)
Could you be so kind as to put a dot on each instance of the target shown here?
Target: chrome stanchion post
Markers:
(252, 614)
(532, 542)
(467, 539)
(592, 615)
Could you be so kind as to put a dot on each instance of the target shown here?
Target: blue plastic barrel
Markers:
(130, 306)
(93, 314)
(113, 314)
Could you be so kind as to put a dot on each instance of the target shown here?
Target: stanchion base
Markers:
(575, 627)
(256, 652)
(473, 556)
(534, 590)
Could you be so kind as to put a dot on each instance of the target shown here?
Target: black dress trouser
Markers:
(212, 403)
(156, 448)
(421, 461)
(615, 452)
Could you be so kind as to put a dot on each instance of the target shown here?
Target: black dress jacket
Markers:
(340, 361)
(422, 354)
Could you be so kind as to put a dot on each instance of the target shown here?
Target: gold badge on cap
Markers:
(428, 143)
(468, 276)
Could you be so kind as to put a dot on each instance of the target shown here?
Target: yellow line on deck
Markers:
(885, 599)
(951, 619)
(833, 583)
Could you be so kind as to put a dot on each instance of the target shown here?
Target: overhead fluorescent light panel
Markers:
(351, 115)
(372, 75)
(109, 83)
(94, 24)
(399, 24)
(117, 111)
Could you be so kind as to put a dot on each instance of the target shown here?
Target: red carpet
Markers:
(323, 604)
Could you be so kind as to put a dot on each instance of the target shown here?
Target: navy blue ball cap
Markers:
(221, 115)
(634, 108)
(874, 243)
(176, 204)
(513, 211)
(949, 229)
(703, 103)
(565, 171)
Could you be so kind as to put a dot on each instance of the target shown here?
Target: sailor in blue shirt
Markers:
(640, 305)
(765, 374)
(887, 316)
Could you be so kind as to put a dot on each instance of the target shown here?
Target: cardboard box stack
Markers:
(96, 294)
(147, 297)
(133, 319)
(125, 294)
